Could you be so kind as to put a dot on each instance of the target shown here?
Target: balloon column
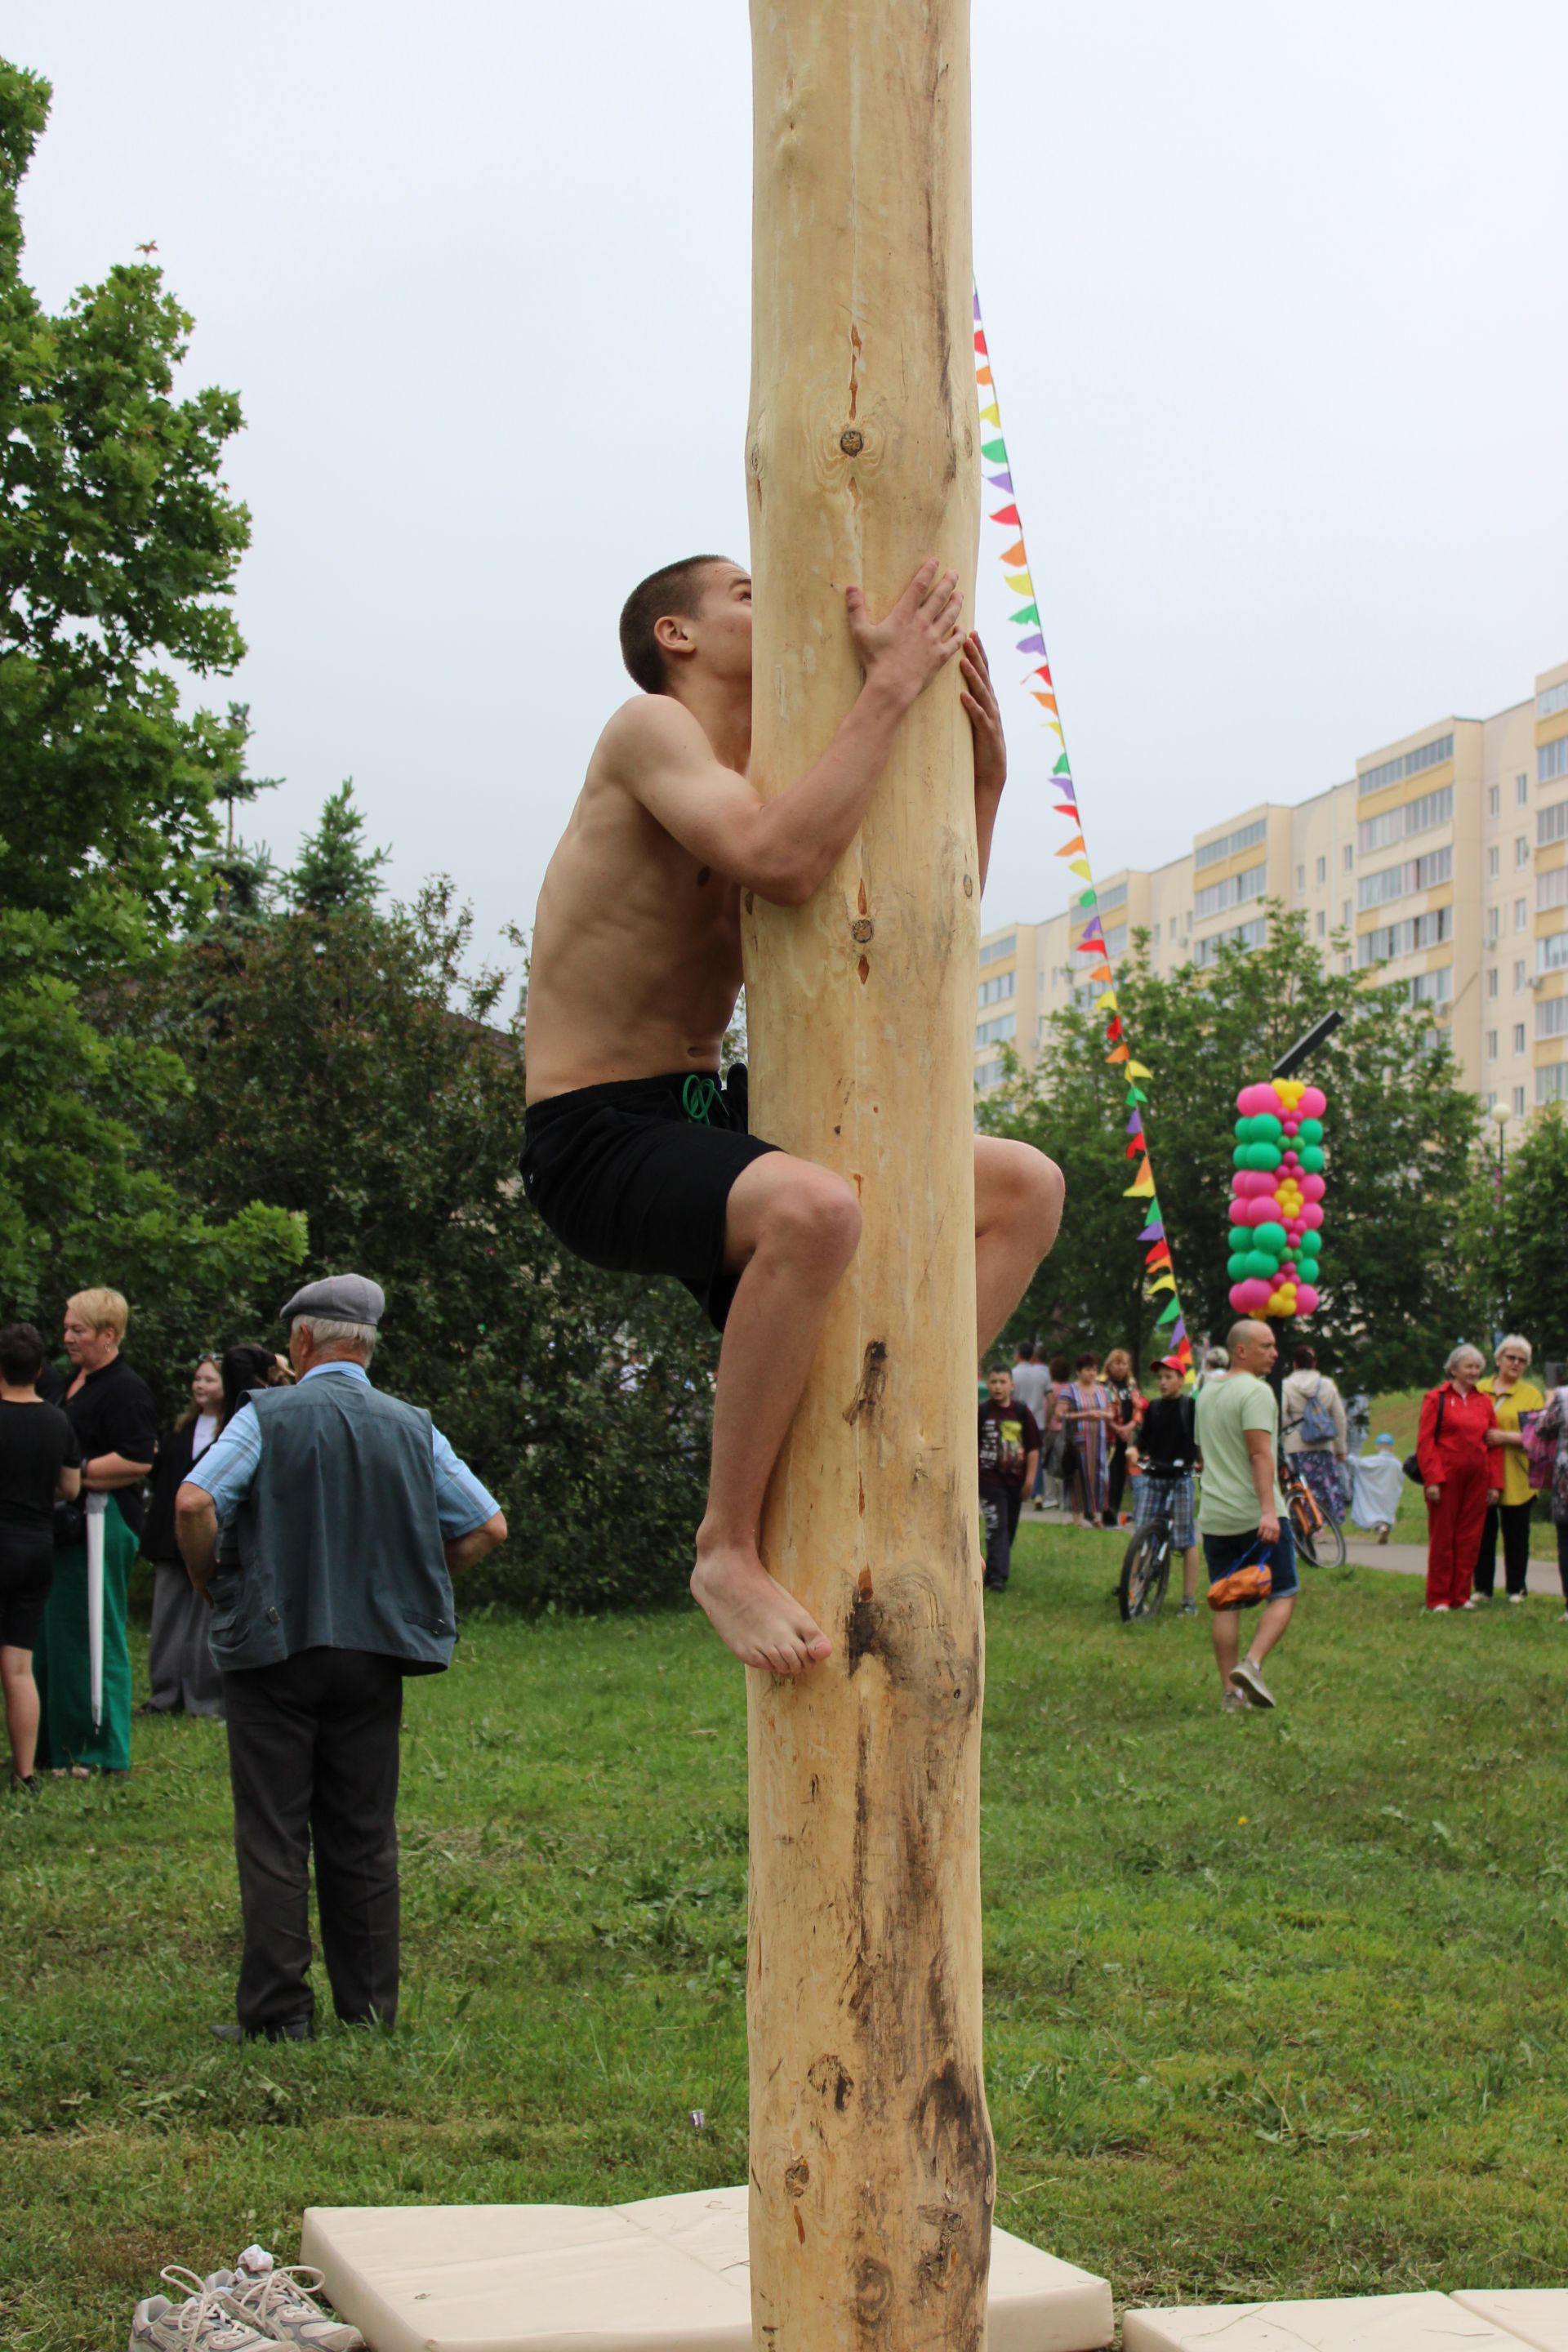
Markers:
(1277, 1192)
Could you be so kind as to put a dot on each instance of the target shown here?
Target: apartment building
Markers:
(1441, 863)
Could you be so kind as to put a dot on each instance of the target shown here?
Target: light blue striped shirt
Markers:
(229, 1466)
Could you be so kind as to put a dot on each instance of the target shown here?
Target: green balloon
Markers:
(1265, 1156)
(1260, 1265)
(1240, 1239)
(1267, 1129)
(1239, 1266)
(1310, 1132)
(1242, 1156)
(1309, 1246)
(1313, 1160)
(1270, 1237)
(1244, 1131)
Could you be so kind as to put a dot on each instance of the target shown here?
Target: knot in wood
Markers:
(862, 931)
(851, 442)
(968, 886)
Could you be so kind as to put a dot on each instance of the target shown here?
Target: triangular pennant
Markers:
(1020, 582)
(1106, 1003)
(1068, 808)
(983, 375)
(1002, 481)
(1135, 1147)
(1178, 1329)
(1061, 767)
(992, 416)
(1008, 515)
(1089, 897)
(980, 339)
(1159, 1255)
(1144, 1189)
(1136, 1070)
(1134, 1124)
(1048, 699)
(1162, 1282)
(976, 300)
(1034, 644)
(1026, 612)
(1153, 1231)
(993, 452)
(1136, 1094)
(1056, 726)
(1016, 554)
(1170, 1315)
(1067, 847)
(1093, 928)
(1113, 1032)
(1081, 866)
(1102, 972)
(1118, 1053)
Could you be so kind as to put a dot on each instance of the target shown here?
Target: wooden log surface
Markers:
(872, 2170)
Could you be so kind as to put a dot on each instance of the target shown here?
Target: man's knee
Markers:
(816, 1219)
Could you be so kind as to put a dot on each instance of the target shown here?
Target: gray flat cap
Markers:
(342, 1298)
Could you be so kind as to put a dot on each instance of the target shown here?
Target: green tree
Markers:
(1400, 1133)
(346, 1066)
(118, 546)
(1514, 1225)
(334, 871)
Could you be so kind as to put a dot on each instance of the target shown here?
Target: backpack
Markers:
(1318, 1420)
(1540, 1453)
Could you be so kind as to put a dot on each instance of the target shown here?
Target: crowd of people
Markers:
(1487, 1443)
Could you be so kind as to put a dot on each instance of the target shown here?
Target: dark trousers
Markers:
(1515, 1519)
(313, 1758)
(1116, 1484)
(999, 1507)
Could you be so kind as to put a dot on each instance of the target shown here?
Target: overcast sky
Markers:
(1276, 300)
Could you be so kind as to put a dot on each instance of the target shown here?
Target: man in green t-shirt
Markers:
(1242, 1516)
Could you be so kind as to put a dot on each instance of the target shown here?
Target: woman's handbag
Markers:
(70, 1525)
(1540, 1453)
(1251, 1581)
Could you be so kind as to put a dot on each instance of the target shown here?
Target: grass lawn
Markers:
(1276, 2003)
(1400, 1411)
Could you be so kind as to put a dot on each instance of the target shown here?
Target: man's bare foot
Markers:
(753, 1615)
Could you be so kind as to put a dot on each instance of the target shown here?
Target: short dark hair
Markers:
(1305, 1359)
(1060, 1368)
(1025, 1351)
(22, 1354)
(677, 588)
(244, 1367)
(1092, 1361)
(991, 1371)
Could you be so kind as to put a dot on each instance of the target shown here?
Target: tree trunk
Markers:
(873, 2176)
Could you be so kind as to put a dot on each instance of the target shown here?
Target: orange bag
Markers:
(1244, 1587)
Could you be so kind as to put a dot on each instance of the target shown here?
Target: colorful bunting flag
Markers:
(1029, 643)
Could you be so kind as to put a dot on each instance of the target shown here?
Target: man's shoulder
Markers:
(648, 725)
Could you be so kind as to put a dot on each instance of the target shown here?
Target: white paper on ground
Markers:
(1536, 2315)
(1361, 2323)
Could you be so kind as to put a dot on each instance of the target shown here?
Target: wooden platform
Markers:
(667, 2274)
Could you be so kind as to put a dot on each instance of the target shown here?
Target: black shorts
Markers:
(27, 1572)
(636, 1176)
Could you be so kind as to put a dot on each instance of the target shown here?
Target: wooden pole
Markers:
(872, 2176)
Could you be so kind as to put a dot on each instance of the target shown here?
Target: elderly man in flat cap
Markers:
(343, 1513)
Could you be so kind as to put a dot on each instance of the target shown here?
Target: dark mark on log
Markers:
(860, 900)
(864, 969)
(861, 932)
(873, 1377)
(851, 442)
(861, 1483)
(873, 2291)
(831, 2082)
(864, 1580)
(796, 2177)
(968, 887)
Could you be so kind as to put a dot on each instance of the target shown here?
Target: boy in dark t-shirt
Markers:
(1169, 1446)
(1009, 1456)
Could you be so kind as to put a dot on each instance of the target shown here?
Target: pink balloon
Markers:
(1259, 1212)
(1251, 1183)
(1287, 1269)
(1290, 1164)
(1247, 1103)
(1312, 1188)
(1294, 1230)
(1247, 1296)
(1312, 1215)
(1306, 1298)
(1314, 1102)
(1291, 1124)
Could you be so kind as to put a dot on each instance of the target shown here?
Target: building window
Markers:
(1433, 987)
(1554, 699)
(1552, 1084)
(1552, 889)
(995, 1032)
(1492, 1102)
(1494, 863)
(1115, 943)
(1000, 948)
(1236, 888)
(1520, 915)
(1245, 935)
(1301, 877)
(989, 1074)
(1376, 832)
(1518, 1025)
(1552, 824)
(1209, 853)
(1494, 923)
(1416, 932)
(1410, 763)
(1156, 935)
(1520, 791)
(1115, 897)
(1522, 850)
(1552, 760)
(1322, 926)
(1492, 1045)
(1350, 857)
(1414, 873)
(1552, 954)
(1345, 965)
(1518, 974)
(1004, 984)
(1491, 982)
(1494, 799)
(1518, 1102)
(1550, 1021)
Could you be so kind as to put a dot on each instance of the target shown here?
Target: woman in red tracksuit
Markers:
(1461, 1474)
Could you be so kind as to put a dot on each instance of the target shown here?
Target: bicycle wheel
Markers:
(1328, 1543)
(1145, 1571)
(1306, 1524)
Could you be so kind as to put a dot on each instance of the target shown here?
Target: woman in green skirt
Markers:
(112, 1412)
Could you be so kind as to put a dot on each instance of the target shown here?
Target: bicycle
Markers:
(1146, 1567)
(1319, 1539)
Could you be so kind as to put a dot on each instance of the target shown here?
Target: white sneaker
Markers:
(1248, 1679)
(1516, 1600)
(1438, 1609)
(203, 2322)
(1237, 1702)
(276, 2303)
(1470, 1603)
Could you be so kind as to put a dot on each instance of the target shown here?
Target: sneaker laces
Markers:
(203, 2309)
(279, 2293)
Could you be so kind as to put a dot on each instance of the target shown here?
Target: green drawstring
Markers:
(697, 1097)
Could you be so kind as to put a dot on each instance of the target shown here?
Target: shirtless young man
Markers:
(637, 1156)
